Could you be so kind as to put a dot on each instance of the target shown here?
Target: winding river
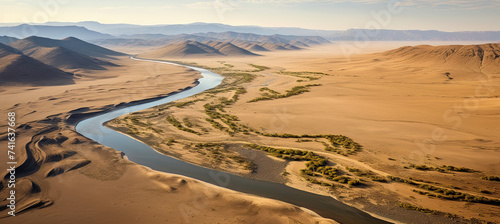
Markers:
(141, 153)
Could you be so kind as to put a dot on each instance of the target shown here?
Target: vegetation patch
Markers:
(187, 103)
(174, 122)
(491, 178)
(317, 166)
(269, 94)
(366, 173)
(219, 153)
(259, 68)
(305, 75)
(442, 168)
(445, 193)
(426, 210)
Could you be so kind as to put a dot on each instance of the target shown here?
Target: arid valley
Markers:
(239, 127)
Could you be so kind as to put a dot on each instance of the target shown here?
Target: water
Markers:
(141, 153)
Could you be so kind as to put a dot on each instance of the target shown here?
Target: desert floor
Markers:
(404, 114)
(64, 178)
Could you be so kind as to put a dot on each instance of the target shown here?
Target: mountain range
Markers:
(91, 30)
(54, 32)
(247, 41)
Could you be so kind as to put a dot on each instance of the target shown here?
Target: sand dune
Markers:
(484, 57)
(18, 69)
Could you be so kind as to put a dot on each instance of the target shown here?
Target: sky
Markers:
(445, 15)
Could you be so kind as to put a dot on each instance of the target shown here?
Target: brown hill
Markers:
(20, 70)
(478, 58)
(252, 47)
(194, 49)
(265, 46)
(7, 39)
(70, 43)
(299, 43)
(63, 58)
(227, 48)
(275, 47)
(69, 53)
(182, 49)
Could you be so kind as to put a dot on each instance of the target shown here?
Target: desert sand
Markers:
(65, 178)
(393, 107)
(413, 110)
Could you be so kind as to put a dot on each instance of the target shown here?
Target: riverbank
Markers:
(61, 169)
(349, 102)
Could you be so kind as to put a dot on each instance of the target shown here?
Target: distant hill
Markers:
(196, 49)
(228, 49)
(54, 32)
(479, 58)
(69, 53)
(175, 29)
(248, 41)
(70, 43)
(130, 30)
(333, 35)
(250, 46)
(7, 39)
(20, 70)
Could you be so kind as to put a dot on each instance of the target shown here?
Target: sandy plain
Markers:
(405, 114)
(63, 177)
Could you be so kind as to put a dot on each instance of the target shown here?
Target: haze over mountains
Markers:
(93, 30)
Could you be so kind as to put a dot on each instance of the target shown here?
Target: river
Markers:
(141, 153)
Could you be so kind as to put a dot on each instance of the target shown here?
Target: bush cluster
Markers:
(270, 94)
(458, 196)
(491, 178)
(444, 193)
(366, 173)
(316, 165)
(259, 68)
(442, 168)
(174, 122)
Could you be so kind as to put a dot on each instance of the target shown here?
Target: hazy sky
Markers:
(447, 15)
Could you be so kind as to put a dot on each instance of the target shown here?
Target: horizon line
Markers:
(270, 27)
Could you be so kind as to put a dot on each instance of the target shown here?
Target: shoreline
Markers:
(75, 117)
